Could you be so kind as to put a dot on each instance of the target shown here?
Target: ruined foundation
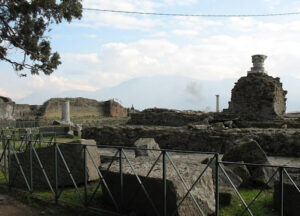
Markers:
(258, 95)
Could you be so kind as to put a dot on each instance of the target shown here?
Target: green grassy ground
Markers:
(70, 195)
(261, 207)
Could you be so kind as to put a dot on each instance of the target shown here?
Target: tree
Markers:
(23, 27)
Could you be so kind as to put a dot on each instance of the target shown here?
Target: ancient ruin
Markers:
(52, 109)
(258, 95)
(256, 110)
(252, 129)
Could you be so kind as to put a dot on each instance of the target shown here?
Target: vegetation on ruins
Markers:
(23, 28)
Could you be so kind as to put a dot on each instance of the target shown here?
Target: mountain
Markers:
(173, 92)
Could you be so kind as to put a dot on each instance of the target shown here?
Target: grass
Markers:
(263, 206)
(42, 203)
(70, 195)
(69, 199)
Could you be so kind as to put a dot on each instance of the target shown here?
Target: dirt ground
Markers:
(14, 204)
(9, 206)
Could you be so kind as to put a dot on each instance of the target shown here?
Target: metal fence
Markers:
(87, 192)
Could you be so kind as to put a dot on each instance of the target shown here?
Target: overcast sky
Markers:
(106, 49)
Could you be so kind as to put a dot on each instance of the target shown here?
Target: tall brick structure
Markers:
(258, 95)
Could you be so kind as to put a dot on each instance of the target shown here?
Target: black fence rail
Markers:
(121, 181)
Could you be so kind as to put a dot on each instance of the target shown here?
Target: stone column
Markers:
(65, 114)
(217, 103)
(258, 64)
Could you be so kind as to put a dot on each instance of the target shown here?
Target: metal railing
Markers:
(13, 167)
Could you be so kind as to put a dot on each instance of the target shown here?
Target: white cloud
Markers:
(95, 20)
(129, 5)
(93, 36)
(36, 82)
(4, 93)
(217, 49)
(180, 2)
(58, 83)
(183, 32)
(84, 58)
(272, 4)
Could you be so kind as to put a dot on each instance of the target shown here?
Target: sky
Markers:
(105, 52)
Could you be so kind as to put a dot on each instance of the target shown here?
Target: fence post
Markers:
(56, 172)
(281, 191)
(121, 179)
(30, 165)
(9, 163)
(164, 183)
(217, 184)
(85, 175)
(4, 143)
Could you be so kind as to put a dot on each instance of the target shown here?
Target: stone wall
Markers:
(79, 107)
(25, 111)
(82, 108)
(114, 109)
(276, 142)
(6, 110)
(165, 117)
(51, 110)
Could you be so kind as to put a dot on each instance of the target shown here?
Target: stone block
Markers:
(249, 151)
(240, 170)
(136, 201)
(74, 157)
(146, 143)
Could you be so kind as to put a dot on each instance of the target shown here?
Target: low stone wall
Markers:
(276, 142)
(57, 130)
(165, 117)
(74, 157)
(134, 199)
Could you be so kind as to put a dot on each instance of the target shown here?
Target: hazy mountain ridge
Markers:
(174, 92)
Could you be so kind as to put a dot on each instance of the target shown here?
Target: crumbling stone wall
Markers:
(25, 111)
(6, 108)
(51, 109)
(258, 96)
(165, 117)
(82, 107)
(9, 110)
(114, 109)
(276, 142)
